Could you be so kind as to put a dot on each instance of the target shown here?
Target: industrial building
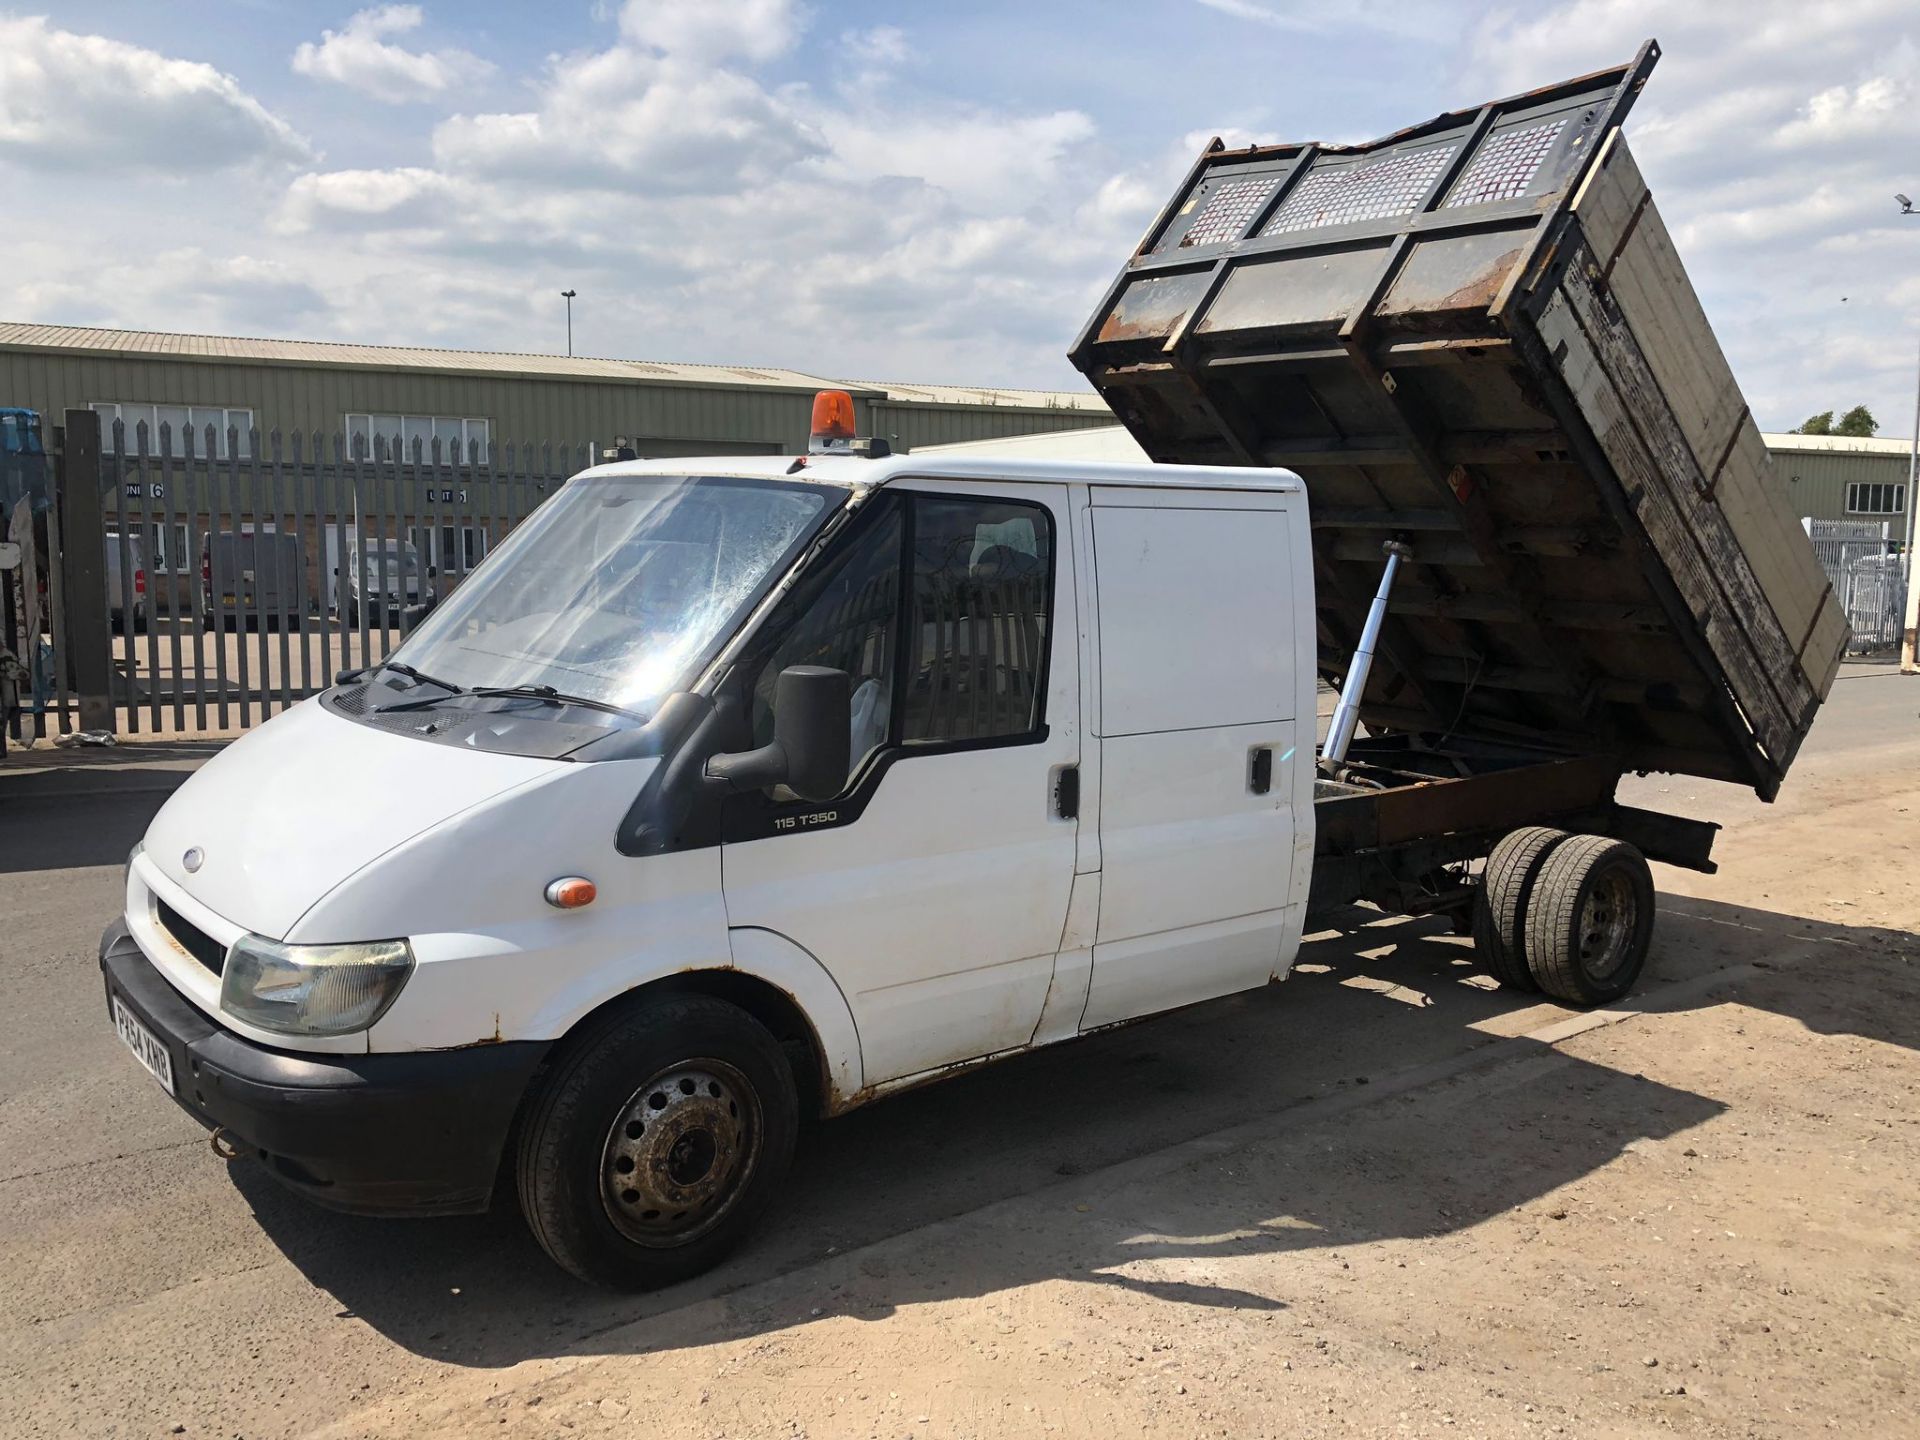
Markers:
(1843, 477)
(411, 441)
(469, 398)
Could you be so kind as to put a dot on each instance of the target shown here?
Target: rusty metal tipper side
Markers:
(1474, 336)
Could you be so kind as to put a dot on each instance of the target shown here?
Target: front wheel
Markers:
(656, 1141)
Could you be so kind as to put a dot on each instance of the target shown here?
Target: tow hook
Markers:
(224, 1147)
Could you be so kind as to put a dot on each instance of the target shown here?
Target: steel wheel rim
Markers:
(679, 1154)
(1608, 919)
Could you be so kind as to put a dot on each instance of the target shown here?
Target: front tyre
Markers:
(656, 1141)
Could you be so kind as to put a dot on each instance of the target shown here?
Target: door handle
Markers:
(1260, 774)
(1066, 793)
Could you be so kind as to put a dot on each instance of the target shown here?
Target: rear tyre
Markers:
(1500, 909)
(1590, 920)
(656, 1141)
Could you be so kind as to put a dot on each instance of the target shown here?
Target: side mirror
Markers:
(812, 721)
(432, 571)
(412, 615)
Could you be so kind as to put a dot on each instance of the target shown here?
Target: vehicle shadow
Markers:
(1367, 1006)
(58, 819)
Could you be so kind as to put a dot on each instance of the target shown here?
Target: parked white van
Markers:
(722, 791)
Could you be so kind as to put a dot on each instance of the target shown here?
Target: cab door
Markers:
(935, 888)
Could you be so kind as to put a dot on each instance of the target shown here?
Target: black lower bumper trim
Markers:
(412, 1134)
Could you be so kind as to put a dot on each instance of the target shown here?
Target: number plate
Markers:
(144, 1044)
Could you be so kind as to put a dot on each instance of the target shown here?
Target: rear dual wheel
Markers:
(657, 1140)
(1568, 914)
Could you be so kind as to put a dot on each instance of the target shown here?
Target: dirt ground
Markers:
(1693, 1215)
(1385, 1198)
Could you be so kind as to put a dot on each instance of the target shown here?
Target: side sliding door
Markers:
(1206, 746)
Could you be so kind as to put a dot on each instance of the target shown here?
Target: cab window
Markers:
(982, 591)
(970, 583)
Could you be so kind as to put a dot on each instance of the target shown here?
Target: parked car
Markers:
(251, 578)
(385, 580)
(120, 595)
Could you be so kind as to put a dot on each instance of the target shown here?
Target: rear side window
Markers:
(981, 594)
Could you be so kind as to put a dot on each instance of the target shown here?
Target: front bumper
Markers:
(410, 1134)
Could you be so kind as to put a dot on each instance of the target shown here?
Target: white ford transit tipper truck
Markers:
(730, 789)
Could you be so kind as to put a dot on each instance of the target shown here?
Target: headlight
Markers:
(312, 989)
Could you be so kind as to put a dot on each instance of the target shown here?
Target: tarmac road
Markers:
(150, 1285)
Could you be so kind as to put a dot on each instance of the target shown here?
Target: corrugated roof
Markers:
(1874, 445)
(149, 343)
(1087, 399)
(144, 343)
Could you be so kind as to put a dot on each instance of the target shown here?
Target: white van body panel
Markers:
(1199, 677)
(288, 811)
(781, 963)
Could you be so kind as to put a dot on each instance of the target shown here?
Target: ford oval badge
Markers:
(193, 859)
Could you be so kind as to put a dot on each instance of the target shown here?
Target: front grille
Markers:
(191, 938)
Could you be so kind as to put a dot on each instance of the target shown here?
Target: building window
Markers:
(166, 548)
(1876, 499)
(177, 419)
(460, 438)
(452, 549)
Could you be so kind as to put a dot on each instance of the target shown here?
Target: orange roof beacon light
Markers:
(833, 428)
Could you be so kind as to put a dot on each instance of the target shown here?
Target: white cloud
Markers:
(70, 100)
(706, 213)
(882, 45)
(1260, 14)
(1415, 19)
(626, 117)
(210, 291)
(982, 159)
(361, 58)
(706, 32)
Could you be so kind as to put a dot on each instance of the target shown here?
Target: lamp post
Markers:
(1910, 622)
(569, 294)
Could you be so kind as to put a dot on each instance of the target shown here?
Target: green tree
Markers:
(1858, 421)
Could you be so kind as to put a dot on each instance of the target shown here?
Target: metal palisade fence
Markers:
(236, 574)
(1868, 577)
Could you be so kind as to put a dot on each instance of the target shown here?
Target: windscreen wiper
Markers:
(554, 697)
(518, 692)
(420, 677)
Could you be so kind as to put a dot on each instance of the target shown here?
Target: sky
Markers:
(908, 191)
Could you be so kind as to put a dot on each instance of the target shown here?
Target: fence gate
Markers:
(242, 571)
(1868, 579)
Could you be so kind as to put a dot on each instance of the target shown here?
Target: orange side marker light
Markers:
(570, 892)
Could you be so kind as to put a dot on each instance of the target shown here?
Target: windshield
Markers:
(617, 585)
